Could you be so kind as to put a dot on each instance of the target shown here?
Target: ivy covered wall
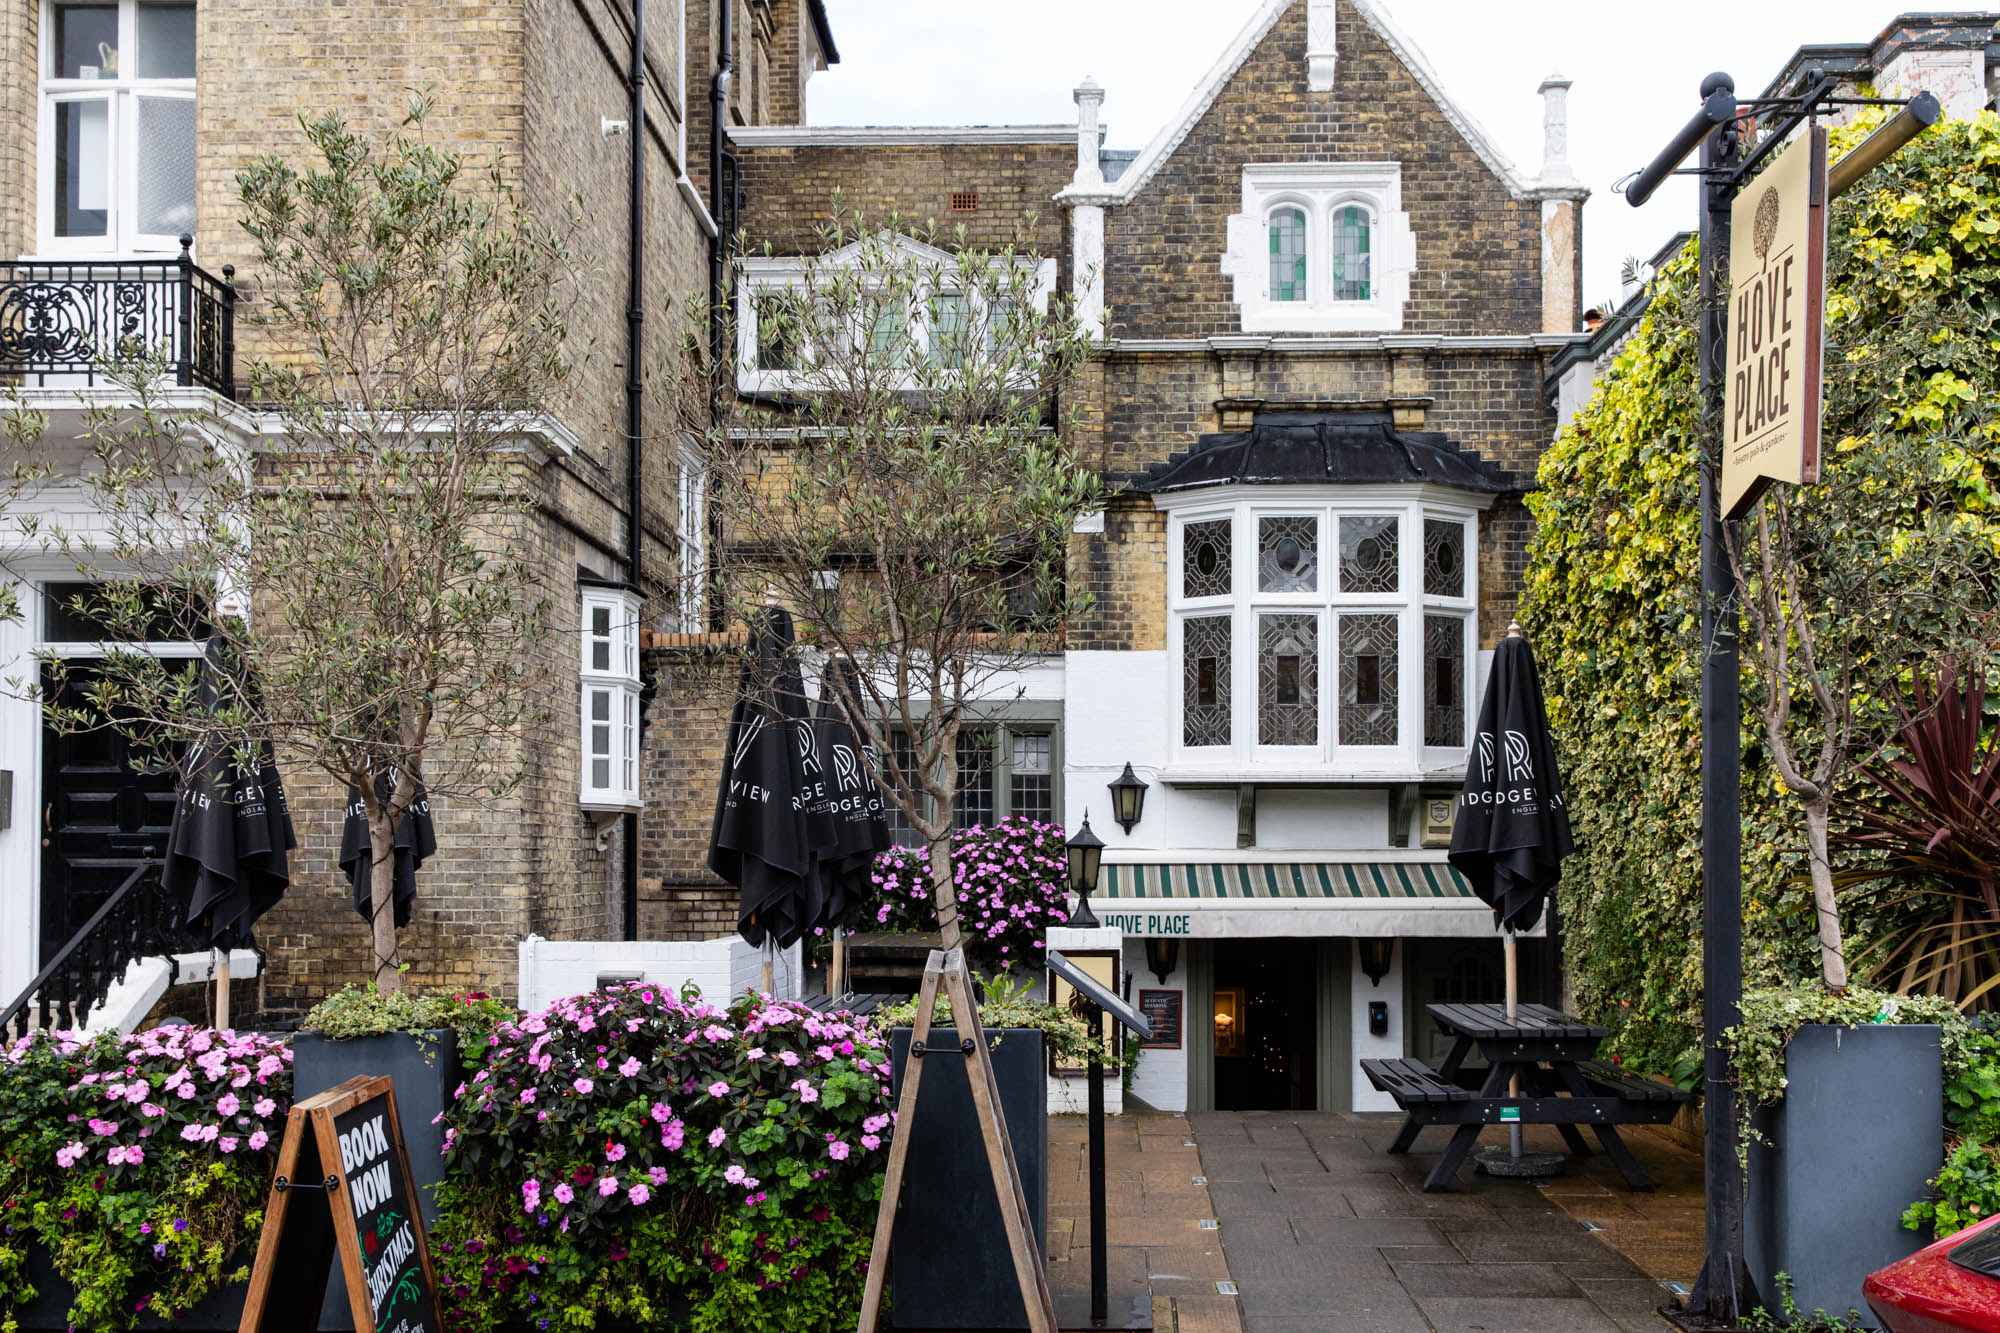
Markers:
(1612, 601)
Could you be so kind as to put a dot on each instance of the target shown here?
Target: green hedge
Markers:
(1611, 597)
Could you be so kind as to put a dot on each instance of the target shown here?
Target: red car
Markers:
(1950, 1287)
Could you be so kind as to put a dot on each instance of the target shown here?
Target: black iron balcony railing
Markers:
(63, 321)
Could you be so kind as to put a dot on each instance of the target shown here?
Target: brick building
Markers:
(1328, 308)
(123, 125)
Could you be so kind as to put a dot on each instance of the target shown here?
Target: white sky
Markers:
(1636, 67)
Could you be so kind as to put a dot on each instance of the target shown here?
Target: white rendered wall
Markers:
(720, 968)
(1161, 1079)
(1116, 713)
(1956, 75)
(1366, 1047)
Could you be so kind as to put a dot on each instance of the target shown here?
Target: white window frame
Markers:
(760, 276)
(1321, 189)
(1327, 757)
(122, 95)
(617, 682)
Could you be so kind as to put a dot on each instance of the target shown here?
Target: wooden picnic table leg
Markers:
(1406, 1138)
(1628, 1166)
(1544, 1083)
(1446, 1171)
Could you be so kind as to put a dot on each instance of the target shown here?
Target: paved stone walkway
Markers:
(1325, 1232)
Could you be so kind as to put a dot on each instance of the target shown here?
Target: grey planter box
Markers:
(1855, 1141)
(949, 1265)
(49, 1311)
(426, 1069)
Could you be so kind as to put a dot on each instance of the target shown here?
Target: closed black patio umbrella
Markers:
(416, 842)
(1512, 830)
(849, 825)
(759, 841)
(227, 851)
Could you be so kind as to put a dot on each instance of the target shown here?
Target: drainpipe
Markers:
(635, 396)
(718, 251)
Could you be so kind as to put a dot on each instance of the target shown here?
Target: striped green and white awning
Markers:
(1284, 879)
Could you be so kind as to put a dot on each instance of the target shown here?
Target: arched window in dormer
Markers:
(1352, 255)
(1287, 227)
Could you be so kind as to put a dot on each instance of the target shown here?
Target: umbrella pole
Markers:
(222, 989)
(1513, 1007)
(836, 983)
(770, 963)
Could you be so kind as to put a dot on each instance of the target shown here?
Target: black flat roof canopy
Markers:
(1093, 990)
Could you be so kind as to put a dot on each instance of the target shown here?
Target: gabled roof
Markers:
(1155, 154)
(1319, 447)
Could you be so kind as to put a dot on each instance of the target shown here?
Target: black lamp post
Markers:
(1086, 856)
(1128, 798)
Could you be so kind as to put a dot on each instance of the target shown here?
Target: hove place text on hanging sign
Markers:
(1776, 326)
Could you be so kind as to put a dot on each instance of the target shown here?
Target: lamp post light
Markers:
(1128, 798)
(1086, 856)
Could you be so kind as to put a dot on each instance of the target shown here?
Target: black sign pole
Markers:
(1724, 1287)
(1100, 1280)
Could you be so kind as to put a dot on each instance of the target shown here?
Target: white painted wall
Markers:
(1161, 1079)
(20, 746)
(1364, 1046)
(1117, 712)
(1323, 819)
(720, 968)
(1956, 75)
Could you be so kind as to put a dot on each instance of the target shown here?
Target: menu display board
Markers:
(346, 1145)
(1162, 1009)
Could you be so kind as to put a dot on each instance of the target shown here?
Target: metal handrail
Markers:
(61, 964)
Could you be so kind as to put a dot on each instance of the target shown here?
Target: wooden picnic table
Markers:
(1562, 1084)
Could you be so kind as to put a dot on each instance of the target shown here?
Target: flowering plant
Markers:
(1011, 877)
(632, 1141)
(146, 1172)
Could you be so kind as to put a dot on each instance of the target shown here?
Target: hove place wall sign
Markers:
(1777, 300)
(343, 1180)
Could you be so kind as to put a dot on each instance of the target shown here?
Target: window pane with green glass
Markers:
(1352, 263)
(949, 327)
(1288, 254)
(887, 330)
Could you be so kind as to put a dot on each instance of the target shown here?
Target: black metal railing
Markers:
(140, 919)
(63, 322)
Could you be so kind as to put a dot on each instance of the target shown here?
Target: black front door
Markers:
(101, 817)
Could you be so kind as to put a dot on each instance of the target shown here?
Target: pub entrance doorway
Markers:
(1266, 1025)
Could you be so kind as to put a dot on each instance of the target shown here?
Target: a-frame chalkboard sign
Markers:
(344, 1179)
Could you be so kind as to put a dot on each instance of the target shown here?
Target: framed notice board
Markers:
(1103, 967)
(1162, 1009)
(344, 1182)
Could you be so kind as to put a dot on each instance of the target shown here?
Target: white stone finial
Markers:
(1089, 96)
(1319, 45)
(1555, 131)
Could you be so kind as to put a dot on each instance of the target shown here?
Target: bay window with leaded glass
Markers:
(1324, 635)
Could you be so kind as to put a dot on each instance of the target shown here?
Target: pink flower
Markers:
(630, 1067)
(716, 1137)
(102, 1128)
(256, 1141)
(734, 1175)
(227, 1143)
(875, 1124)
(227, 1104)
(837, 1150)
(807, 1092)
(671, 1137)
(607, 1186)
(264, 1106)
(638, 1194)
(657, 1174)
(527, 1096)
(66, 1157)
(151, 1111)
(661, 1112)
(615, 1153)
(583, 1086)
(531, 1196)
(191, 1133)
(718, 1089)
(564, 1193)
(755, 1053)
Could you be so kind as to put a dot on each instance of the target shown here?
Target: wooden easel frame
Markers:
(945, 969)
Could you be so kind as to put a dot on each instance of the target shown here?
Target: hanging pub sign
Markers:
(1776, 326)
(343, 1181)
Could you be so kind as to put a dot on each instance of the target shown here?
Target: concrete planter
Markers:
(950, 1267)
(1855, 1141)
(426, 1069)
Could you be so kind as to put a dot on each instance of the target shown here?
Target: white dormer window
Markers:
(1321, 247)
(610, 699)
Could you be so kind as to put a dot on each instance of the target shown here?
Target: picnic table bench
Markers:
(1561, 1084)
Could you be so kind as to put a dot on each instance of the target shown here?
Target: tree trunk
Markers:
(1832, 953)
(945, 893)
(382, 900)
